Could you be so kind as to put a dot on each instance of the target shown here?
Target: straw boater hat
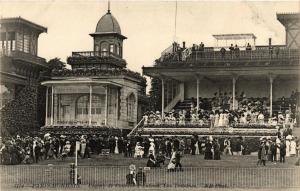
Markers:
(289, 137)
(67, 142)
(63, 136)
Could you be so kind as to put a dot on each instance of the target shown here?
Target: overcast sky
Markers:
(149, 26)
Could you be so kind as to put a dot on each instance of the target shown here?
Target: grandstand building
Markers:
(192, 74)
(19, 74)
(99, 92)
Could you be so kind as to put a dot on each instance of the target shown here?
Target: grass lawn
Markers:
(187, 161)
(230, 172)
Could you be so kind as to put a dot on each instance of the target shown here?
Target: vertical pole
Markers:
(106, 103)
(271, 95)
(167, 91)
(46, 119)
(52, 104)
(162, 98)
(233, 92)
(90, 106)
(117, 107)
(76, 153)
(6, 41)
(197, 95)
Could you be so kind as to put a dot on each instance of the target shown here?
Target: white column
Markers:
(233, 93)
(90, 106)
(52, 104)
(271, 95)
(197, 94)
(117, 107)
(46, 119)
(162, 98)
(106, 103)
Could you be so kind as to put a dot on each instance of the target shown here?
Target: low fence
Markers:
(223, 177)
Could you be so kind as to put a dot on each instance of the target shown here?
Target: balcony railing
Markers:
(261, 53)
(16, 54)
(96, 53)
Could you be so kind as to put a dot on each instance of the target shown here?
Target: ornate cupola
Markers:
(107, 37)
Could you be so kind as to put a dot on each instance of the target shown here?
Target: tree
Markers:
(155, 95)
(56, 64)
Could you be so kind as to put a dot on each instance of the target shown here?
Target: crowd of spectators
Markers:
(178, 53)
(29, 149)
(219, 112)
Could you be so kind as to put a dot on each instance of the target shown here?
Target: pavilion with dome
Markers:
(98, 92)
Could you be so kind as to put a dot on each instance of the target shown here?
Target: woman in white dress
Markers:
(197, 152)
(221, 120)
(83, 146)
(116, 146)
(217, 116)
(288, 147)
(152, 148)
(278, 149)
(171, 165)
(293, 147)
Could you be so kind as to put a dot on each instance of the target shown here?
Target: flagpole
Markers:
(175, 26)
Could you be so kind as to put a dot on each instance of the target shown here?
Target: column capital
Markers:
(271, 77)
(235, 76)
(198, 76)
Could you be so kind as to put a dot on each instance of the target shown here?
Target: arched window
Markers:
(111, 48)
(118, 49)
(130, 107)
(104, 48)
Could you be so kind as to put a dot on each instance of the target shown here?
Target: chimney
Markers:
(183, 44)
(270, 41)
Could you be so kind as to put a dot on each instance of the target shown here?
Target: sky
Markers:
(149, 25)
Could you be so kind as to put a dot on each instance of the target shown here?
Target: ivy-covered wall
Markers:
(20, 115)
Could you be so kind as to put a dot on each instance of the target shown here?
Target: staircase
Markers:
(178, 98)
(185, 104)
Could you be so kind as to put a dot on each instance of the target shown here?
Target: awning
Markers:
(234, 36)
(81, 81)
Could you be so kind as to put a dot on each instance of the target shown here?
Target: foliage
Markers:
(56, 64)
(155, 94)
(19, 115)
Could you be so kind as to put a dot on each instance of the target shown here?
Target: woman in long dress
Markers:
(208, 155)
(197, 152)
(293, 147)
(221, 120)
(171, 165)
(152, 148)
(217, 116)
(288, 147)
(116, 146)
(151, 161)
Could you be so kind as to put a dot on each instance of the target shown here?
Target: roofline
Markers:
(74, 81)
(23, 21)
(107, 33)
(282, 17)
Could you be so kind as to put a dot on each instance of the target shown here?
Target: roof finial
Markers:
(108, 6)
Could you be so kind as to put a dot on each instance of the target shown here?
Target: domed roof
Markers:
(108, 24)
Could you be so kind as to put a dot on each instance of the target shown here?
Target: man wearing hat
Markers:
(282, 151)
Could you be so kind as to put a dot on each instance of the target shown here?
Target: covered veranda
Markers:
(84, 102)
(264, 81)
